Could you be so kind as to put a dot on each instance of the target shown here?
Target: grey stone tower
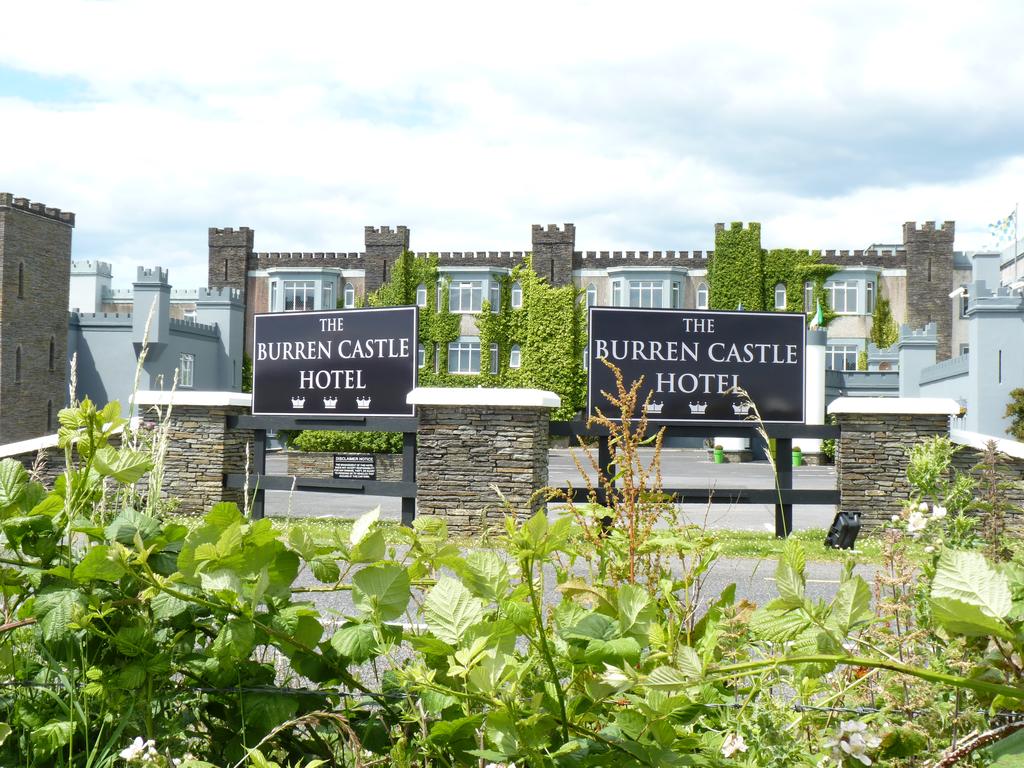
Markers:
(552, 252)
(383, 247)
(230, 254)
(930, 279)
(35, 271)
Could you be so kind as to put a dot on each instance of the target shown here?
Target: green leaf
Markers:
(967, 577)
(362, 525)
(668, 679)
(47, 739)
(778, 624)
(486, 574)
(851, 606)
(790, 581)
(1008, 752)
(325, 569)
(124, 464)
(99, 564)
(224, 583)
(5, 731)
(450, 609)
(13, 482)
(355, 642)
(55, 608)
(370, 549)
(592, 626)
(165, 606)
(235, 639)
(966, 619)
(382, 590)
(636, 611)
(617, 649)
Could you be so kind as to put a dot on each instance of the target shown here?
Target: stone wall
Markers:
(463, 450)
(871, 458)
(321, 465)
(1011, 472)
(35, 274)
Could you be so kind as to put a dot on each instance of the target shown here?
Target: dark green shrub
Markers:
(356, 442)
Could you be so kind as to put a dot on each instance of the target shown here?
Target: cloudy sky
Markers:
(643, 123)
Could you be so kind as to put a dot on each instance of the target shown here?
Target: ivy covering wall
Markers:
(549, 329)
(743, 273)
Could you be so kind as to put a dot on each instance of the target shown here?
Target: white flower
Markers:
(938, 512)
(923, 506)
(916, 522)
(733, 743)
(895, 518)
(929, 549)
(133, 750)
(854, 741)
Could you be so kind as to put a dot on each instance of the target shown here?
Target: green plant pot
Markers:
(719, 457)
(798, 458)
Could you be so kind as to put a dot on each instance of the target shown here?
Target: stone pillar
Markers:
(472, 440)
(871, 453)
(201, 449)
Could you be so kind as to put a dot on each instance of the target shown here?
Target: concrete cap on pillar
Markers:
(193, 397)
(516, 398)
(939, 406)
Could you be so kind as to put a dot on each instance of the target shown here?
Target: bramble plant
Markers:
(128, 639)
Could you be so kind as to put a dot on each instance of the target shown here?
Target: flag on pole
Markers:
(819, 317)
(1002, 231)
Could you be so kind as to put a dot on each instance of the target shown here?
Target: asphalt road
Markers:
(681, 468)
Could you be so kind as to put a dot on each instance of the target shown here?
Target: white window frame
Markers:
(186, 370)
(515, 357)
(677, 295)
(516, 295)
(703, 294)
(350, 296)
(421, 356)
(327, 295)
(808, 296)
(780, 296)
(841, 293)
(591, 295)
(647, 293)
(301, 294)
(869, 297)
(465, 297)
(273, 296)
(494, 296)
(494, 359)
(421, 295)
(464, 357)
(846, 354)
(617, 293)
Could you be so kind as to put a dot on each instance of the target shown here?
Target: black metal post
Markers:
(408, 476)
(784, 473)
(259, 469)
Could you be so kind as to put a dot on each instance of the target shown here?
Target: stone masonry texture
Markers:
(35, 273)
(929, 279)
(463, 451)
(871, 461)
(201, 451)
(1010, 472)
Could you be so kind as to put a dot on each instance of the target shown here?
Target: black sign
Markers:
(356, 362)
(693, 361)
(355, 466)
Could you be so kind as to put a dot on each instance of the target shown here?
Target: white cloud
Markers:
(643, 124)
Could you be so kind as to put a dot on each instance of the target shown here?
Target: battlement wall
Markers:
(883, 257)
(151, 275)
(232, 295)
(8, 200)
(696, 259)
(339, 259)
(98, 268)
(191, 326)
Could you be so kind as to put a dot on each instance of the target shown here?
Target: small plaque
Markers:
(355, 466)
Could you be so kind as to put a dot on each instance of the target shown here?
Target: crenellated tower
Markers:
(35, 269)
(553, 249)
(384, 246)
(929, 280)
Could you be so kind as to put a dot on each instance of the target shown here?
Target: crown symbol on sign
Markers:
(298, 402)
(330, 402)
(698, 408)
(654, 407)
(362, 403)
(741, 409)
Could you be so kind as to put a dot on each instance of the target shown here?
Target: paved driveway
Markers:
(681, 468)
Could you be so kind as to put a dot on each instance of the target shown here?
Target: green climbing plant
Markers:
(883, 327)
